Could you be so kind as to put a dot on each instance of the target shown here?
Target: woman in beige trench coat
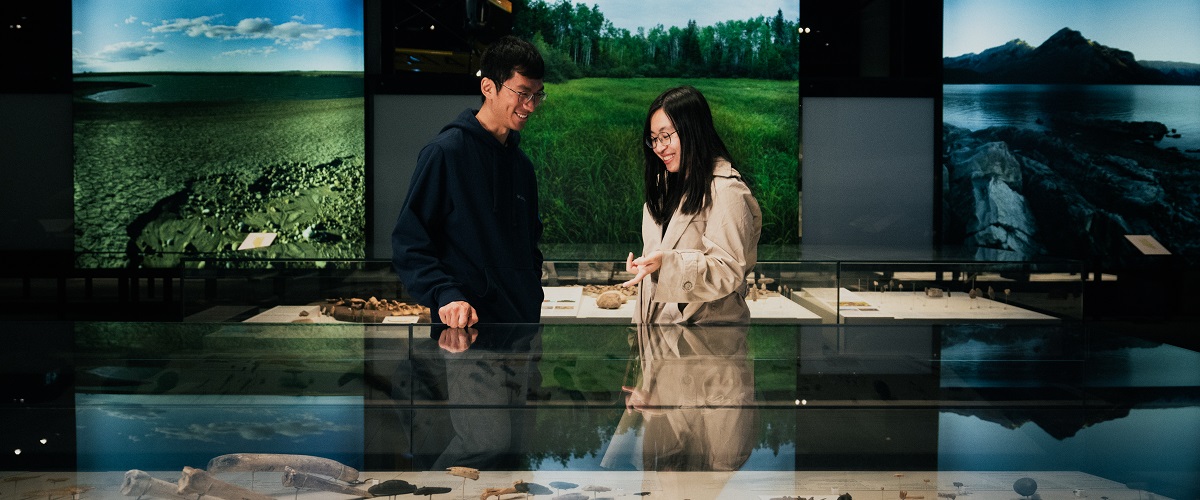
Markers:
(700, 223)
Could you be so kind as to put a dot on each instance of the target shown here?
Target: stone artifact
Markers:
(933, 292)
(563, 485)
(534, 489)
(139, 484)
(198, 482)
(951, 496)
(428, 491)
(393, 487)
(1025, 486)
(611, 299)
(270, 462)
(295, 479)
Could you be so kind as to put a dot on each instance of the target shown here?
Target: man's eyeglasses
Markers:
(654, 140)
(534, 98)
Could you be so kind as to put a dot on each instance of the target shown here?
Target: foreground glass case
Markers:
(898, 411)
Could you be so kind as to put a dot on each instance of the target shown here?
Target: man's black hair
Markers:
(511, 55)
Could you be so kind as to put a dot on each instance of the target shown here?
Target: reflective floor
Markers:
(915, 412)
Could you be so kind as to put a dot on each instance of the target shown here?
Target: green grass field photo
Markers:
(585, 143)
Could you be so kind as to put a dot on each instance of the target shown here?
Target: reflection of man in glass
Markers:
(477, 380)
(695, 401)
(466, 241)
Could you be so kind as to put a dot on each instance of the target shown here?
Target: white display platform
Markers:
(561, 302)
(888, 307)
(775, 309)
(290, 314)
(741, 485)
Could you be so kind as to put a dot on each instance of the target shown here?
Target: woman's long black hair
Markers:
(700, 146)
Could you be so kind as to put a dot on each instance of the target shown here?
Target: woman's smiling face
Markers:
(662, 128)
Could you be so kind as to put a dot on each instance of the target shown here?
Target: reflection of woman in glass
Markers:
(700, 223)
(695, 401)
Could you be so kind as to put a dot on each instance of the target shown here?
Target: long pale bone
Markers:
(271, 462)
(199, 482)
(463, 472)
(498, 492)
(295, 479)
(140, 484)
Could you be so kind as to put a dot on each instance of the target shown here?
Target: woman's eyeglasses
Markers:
(654, 140)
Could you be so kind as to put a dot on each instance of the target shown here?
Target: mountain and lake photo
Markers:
(1064, 148)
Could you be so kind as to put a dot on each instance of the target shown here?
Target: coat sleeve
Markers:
(417, 241)
(729, 249)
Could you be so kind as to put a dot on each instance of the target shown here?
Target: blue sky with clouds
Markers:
(1154, 30)
(217, 35)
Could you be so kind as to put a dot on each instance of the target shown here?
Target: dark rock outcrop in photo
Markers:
(1075, 189)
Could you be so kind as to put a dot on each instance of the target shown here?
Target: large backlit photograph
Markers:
(606, 60)
(1072, 130)
(198, 124)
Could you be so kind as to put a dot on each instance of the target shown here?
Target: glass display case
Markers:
(767, 411)
(822, 288)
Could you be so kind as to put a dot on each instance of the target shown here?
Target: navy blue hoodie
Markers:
(469, 228)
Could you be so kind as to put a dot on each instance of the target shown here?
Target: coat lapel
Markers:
(679, 223)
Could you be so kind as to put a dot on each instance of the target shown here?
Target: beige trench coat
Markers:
(705, 258)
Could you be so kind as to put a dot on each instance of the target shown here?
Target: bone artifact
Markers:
(296, 479)
(140, 484)
(270, 462)
(199, 482)
(466, 472)
(596, 290)
(371, 310)
(497, 492)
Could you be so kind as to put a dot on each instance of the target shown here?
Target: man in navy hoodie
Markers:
(466, 241)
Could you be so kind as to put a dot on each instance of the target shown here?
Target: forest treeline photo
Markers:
(585, 142)
(578, 41)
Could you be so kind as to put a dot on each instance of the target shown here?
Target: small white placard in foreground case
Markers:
(1147, 244)
(403, 320)
(257, 240)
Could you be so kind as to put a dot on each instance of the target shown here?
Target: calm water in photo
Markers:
(981, 106)
(227, 87)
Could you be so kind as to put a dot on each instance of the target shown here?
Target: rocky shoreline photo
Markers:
(1076, 188)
